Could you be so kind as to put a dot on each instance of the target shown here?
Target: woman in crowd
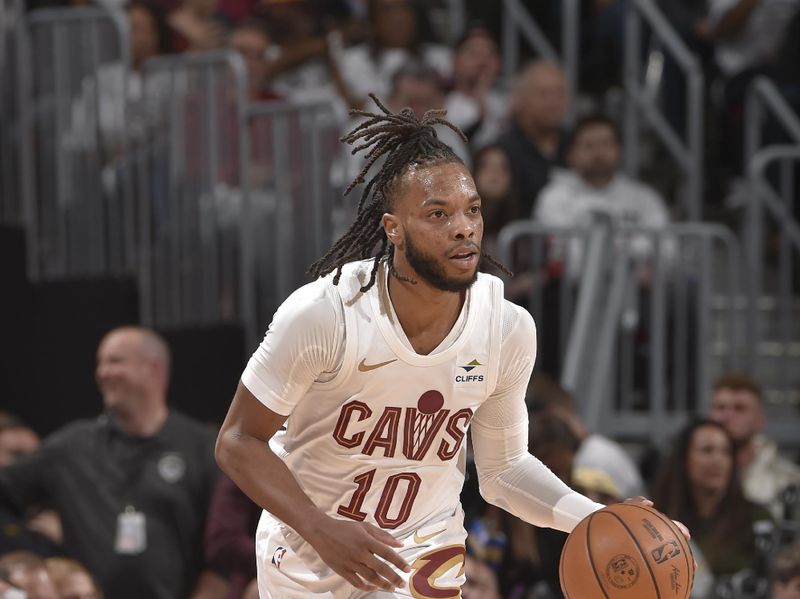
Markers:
(499, 205)
(699, 486)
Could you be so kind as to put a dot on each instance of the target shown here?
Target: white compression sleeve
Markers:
(508, 475)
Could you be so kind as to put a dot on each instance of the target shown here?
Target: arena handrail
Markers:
(518, 21)
(688, 154)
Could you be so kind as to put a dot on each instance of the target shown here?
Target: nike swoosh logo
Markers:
(364, 367)
(421, 539)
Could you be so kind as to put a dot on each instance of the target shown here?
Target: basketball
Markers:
(626, 551)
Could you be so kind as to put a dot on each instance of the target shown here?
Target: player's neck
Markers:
(426, 314)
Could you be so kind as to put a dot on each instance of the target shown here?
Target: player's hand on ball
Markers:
(639, 500)
(358, 552)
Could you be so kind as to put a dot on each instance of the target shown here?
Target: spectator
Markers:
(481, 582)
(699, 486)
(16, 439)
(37, 531)
(27, 572)
(594, 184)
(251, 41)
(133, 486)
(596, 484)
(786, 573)
(525, 557)
(690, 20)
(304, 62)
(196, 26)
(420, 88)
(595, 451)
(229, 538)
(398, 37)
(475, 102)
(534, 552)
(535, 139)
(738, 404)
(72, 580)
(748, 32)
(114, 105)
(499, 200)
(748, 35)
(252, 591)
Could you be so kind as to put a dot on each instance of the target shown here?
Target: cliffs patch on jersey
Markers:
(468, 376)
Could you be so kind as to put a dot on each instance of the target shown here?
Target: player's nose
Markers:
(462, 227)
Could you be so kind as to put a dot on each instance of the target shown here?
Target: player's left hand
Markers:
(639, 500)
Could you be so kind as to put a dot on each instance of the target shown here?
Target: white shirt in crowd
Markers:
(464, 112)
(759, 38)
(364, 73)
(569, 202)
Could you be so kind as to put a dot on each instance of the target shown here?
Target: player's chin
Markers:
(460, 281)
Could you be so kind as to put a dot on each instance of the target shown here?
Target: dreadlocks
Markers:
(407, 140)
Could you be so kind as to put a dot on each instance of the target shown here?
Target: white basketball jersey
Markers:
(384, 440)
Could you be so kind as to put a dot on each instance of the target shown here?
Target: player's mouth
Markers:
(465, 257)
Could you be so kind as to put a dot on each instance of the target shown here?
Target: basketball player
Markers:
(348, 425)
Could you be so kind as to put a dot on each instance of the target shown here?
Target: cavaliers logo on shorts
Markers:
(430, 568)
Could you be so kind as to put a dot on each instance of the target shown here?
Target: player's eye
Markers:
(437, 214)
(474, 209)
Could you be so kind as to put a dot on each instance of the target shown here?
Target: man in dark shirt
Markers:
(535, 139)
(132, 487)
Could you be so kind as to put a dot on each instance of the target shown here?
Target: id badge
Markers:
(131, 532)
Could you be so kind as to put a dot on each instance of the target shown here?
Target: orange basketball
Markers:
(626, 551)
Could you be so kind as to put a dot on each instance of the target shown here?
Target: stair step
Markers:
(765, 349)
(765, 303)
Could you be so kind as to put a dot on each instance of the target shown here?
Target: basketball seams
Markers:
(641, 551)
(675, 531)
(580, 579)
(591, 557)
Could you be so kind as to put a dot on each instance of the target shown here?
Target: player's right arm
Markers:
(295, 352)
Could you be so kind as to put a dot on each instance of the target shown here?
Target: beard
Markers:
(433, 273)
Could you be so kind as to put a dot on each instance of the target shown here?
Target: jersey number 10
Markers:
(364, 482)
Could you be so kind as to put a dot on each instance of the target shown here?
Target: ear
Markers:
(394, 229)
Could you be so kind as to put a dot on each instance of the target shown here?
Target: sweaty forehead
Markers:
(450, 181)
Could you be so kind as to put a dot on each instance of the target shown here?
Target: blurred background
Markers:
(176, 164)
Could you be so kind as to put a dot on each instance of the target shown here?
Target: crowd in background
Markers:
(131, 504)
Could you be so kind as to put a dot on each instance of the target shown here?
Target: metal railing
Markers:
(518, 23)
(216, 205)
(773, 206)
(12, 14)
(72, 87)
(685, 147)
(643, 334)
(235, 196)
(764, 100)
(189, 172)
(551, 298)
(287, 214)
(673, 337)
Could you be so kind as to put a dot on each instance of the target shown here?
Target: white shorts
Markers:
(435, 552)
